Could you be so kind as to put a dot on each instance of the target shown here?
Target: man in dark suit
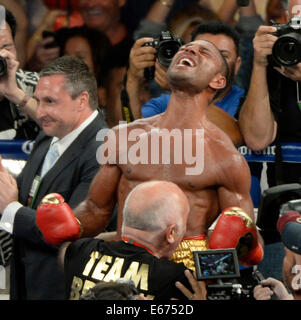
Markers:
(67, 103)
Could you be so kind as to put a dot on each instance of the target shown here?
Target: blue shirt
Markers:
(229, 103)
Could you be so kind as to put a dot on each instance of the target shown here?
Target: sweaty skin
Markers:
(225, 178)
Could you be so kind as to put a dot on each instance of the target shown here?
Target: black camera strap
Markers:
(126, 110)
(275, 87)
(278, 159)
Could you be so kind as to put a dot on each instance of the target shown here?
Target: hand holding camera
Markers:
(263, 44)
(280, 46)
(160, 76)
(271, 287)
(166, 47)
(8, 68)
(141, 57)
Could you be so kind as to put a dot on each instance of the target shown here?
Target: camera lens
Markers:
(167, 51)
(287, 50)
(3, 66)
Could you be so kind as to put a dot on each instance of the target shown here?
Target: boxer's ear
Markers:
(218, 82)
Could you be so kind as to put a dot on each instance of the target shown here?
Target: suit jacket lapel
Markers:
(74, 151)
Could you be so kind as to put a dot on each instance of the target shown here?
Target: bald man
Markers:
(154, 222)
(202, 161)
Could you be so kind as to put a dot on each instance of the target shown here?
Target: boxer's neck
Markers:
(186, 111)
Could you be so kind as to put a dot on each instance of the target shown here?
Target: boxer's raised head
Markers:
(198, 66)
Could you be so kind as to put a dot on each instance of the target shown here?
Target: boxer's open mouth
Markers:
(186, 61)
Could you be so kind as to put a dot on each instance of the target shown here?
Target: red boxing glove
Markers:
(253, 257)
(235, 229)
(56, 220)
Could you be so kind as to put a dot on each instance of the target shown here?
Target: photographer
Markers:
(16, 87)
(271, 112)
(271, 106)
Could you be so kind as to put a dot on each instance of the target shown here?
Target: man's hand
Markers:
(43, 55)
(263, 43)
(160, 76)
(8, 188)
(294, 72)
(8, 83)
(198, 287)
(271, 286)
(141, 57)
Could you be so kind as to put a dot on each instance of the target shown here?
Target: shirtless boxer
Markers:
(196, 75)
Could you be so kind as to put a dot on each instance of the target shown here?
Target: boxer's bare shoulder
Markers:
(222, 148)
(230, 168)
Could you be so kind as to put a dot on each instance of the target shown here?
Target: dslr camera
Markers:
(167, 46)
(287, 48)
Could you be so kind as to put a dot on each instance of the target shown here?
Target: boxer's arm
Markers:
(235, 192)
(94, 213)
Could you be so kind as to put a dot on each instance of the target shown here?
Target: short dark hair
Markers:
(119, 58)
(11, 21)
(78, 77)
(217, 27)
(122, 289)
(100, 46)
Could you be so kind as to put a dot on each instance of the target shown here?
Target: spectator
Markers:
(269, 114)
(90, 45)
(146, 245)
(21, 32)
(15, 89)
(43, 50)
(105, 17)
(67, 102)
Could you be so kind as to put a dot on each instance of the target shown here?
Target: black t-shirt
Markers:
(11, 118)
(88, 261)
(283, 100)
